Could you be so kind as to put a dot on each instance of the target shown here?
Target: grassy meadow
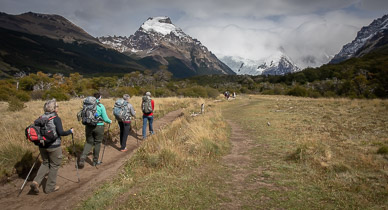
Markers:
(17, 154)
(308, 154)
(316, 153)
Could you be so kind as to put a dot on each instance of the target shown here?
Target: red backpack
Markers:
(39, 133)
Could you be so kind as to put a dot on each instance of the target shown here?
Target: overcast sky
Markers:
(306, 30)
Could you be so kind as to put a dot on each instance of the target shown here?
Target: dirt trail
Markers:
(239, 164)
(71, 192)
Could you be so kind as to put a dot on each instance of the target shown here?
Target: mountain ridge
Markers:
(33, 42)
(368, 38)
(164, 42)
(276, 64)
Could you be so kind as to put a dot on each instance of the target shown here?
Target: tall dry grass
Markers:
(330, 149)
(15, 149)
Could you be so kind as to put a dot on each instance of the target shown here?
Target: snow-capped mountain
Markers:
(277, 64)
(367, 39)
(167, 44)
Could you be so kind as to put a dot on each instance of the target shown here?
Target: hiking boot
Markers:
(56, 188)
(34, 187)
(81, 163)
(96, 163)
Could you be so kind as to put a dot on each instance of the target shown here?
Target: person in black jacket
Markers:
(51, 152)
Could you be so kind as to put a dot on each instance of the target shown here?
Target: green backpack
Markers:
(146, 105)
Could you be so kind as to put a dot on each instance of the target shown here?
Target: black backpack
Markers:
(43, 131)
(88, 114)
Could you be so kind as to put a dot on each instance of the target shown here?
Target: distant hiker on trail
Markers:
(227, 95)
(123, 112)
(94, 127)
(147, 106)
(51, 152)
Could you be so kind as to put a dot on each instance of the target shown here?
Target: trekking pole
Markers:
(21, 189)
(103, 151)
(137, 137)
(75, 155)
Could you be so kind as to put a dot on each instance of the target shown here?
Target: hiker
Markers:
(95, 134)
(123, 111)
(51, 152)
(147, 106)
(227, 95)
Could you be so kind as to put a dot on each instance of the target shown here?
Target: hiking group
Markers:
(47, 130)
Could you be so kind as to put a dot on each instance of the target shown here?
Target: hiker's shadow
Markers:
(134, 134)
(25, 164)
(110, 141)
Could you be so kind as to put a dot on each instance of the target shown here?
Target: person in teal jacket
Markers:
(95, 134)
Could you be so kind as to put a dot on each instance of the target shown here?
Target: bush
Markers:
(58, 94)
(14, 104)
(383, 150)
(195, 91)
(298, 91)
(37, 94)
(120, 91)
(330, 94)
(314, 94)
(163, 92)
(212, 93)
(23, 96)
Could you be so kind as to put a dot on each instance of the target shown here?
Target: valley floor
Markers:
(283, 153)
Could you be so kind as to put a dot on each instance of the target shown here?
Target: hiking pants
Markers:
(52, 158)
(150, 119)
(125, 128)
(94, 137)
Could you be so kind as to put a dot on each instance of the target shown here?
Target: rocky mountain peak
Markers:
(367, 38)
(161, 26)
(167, 44)
(276, 64)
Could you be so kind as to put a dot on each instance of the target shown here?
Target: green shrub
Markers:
(120, 91)
(58, 94)
(383, 150)
(14, 104)
(37, 94)
(330, 94)
(268, 92)
(298, 91)
(212, 93)
(196, 91)
(163, 92)
(23, 96)
(314, 94)
(4, 96)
